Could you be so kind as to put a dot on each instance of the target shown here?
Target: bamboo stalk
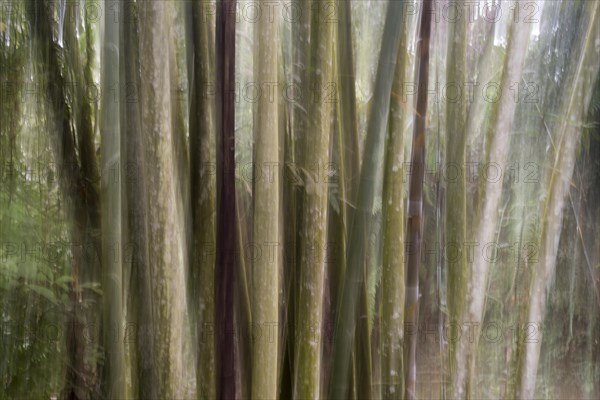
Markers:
(226, 237)
(265, 272)
(294, 194)
(114, 386)
(502, 115)
(243, 304)
(456, 210)
(313, 225)
(392, 275)
(559, 188)
(415, 203)
(291, 211)
(166, 203)
(203, 200)
(146, 367)
(348, 133)
(348, 167)
(353, 280)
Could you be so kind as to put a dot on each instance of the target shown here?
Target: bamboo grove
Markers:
(300, 199)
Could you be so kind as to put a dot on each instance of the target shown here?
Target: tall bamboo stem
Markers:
(353, 279)
(414, 228)
(226, 212)
(313, 225)
(559, 188)
(393, 271)
(265, 272)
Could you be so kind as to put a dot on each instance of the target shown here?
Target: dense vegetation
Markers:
(299, 200)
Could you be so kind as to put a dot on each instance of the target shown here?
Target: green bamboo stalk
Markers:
(353, 280)
(243, 304)
(392, 275)
(559, 188)
(265, 271)
(348, 165)
(110, 149)
(165, 204)
(362, 345)
(180, 339)
(485, 73)
(456, 211)
(348, 168)
(289, 256)
(415, 203)
(296, 116)
(313, 225)
(203, 200)
(146, 368)
(348, 132)
(502, 114)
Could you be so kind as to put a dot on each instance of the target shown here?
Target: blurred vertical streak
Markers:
(225, 50)
(72, 186)
(144, 352)
(114, 379)
(500, 124)
(456, 212)
(573, 108)
(315, 139)
(266, 199)
(415, 202)
(346, 317)
(393, 265)
(202, 152)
